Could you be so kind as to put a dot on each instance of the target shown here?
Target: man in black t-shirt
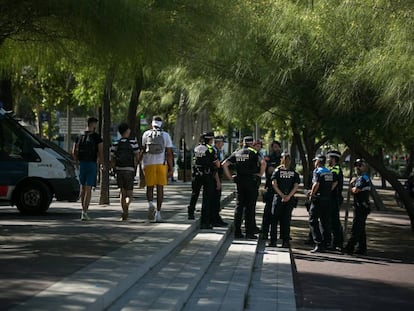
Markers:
(87, 151)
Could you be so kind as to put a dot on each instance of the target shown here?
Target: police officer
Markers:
(249, 168)
(285, 182)
(216, 219)
(336, 199)
(204, 175)
(361, 187)
(272, 161)
(319, 211)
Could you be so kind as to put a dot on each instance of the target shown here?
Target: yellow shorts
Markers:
(156, 174)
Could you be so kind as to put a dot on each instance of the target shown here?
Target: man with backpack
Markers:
(87, 151)
(125, 158)
(157, 163)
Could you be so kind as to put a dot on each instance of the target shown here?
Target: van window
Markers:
(15, 143)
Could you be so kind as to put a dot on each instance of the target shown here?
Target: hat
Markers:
(207, 135)
(359, 162)
(334, 153)
(320, 157)
(219, 138)
(248, 139)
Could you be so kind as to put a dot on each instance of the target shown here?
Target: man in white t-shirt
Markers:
(157, 162)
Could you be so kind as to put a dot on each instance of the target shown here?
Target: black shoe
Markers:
(206, 226)
(318, 249)
(239, 236)
(251, 236)
(361, 252)
(256, 230)
(220, 224)
(348, 249)
(272, 244)
(285, 244)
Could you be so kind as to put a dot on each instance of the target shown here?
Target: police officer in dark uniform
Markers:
(204, 175)
(361, 187)
(319, 211)
(285, 182)
(272, 161)
(336, 199)
(249, 168)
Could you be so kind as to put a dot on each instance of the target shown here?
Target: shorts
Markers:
(125, 179)
(156, 174)
(87, 173)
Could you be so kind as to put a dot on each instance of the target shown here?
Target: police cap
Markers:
(334, 153)
(359, 162)
(219, 138)
(207, 135)
(320, 157)
(248, 140)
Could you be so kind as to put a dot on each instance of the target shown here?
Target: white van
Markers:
(33, 171)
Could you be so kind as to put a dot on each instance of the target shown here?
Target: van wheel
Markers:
(33, 198)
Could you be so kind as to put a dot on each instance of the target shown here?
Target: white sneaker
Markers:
(85, 217)
(151, 211)
(158, 217)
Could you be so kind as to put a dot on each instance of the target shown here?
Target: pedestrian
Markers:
(336, 200)
(272, 161)
(157, 157)
(87, 152)
(258, 145)
(216, 219)
(204, 175)
(249, 169)
(124, 159)
(361, 187)
(319, 211)
(285, 182)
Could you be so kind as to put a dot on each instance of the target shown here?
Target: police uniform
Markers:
(361, 210)
(336, 201)
(203, 175)
(247, 163)
(272, 161)
(319, 211)
(281, 212)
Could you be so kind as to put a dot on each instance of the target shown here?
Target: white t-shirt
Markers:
(149, 158)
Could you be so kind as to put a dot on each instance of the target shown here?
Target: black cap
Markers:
(334, 153)
(248, 140)
(206, 136)
(219, 138)
(320, 157)
(359, 162)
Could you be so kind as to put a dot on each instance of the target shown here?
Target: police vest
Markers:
(247, 161)
(204, 157)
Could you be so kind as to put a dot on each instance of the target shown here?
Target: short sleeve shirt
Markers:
(135, 149)
(324, 177)
(286, 179)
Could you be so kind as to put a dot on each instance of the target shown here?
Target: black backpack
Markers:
(124, 154)
(87, 149)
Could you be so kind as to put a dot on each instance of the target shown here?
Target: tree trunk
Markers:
(133, 106)
(305, 166)
(410, 162)
(106, 126)
(6, 93)
(390, 176)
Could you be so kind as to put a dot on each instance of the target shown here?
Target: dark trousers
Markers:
(358, 234)
(337, 231)
(267, 213)
(282, 214)
(215, 206)
(319, 221)
(196, 184)
(246, 202)
(208, 194)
